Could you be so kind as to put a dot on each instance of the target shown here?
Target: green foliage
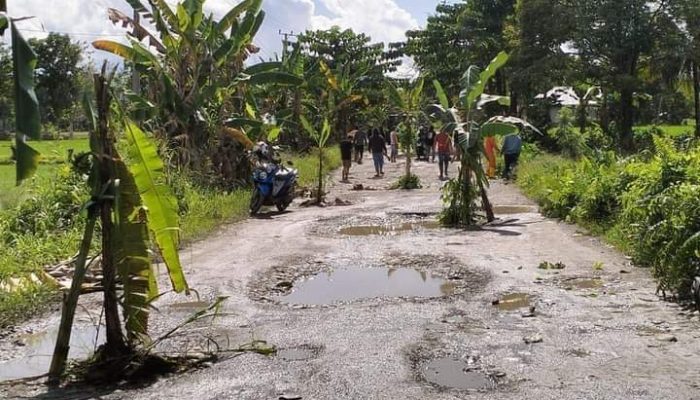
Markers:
(58, 85)
(26, 105)
(646, 205)
(409, 182)
(571, 142)
(147, 169)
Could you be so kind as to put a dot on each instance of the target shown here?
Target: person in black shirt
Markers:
(377, 145)
(360, 140)
(346, 146)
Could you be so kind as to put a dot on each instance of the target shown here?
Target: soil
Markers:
(580, 332)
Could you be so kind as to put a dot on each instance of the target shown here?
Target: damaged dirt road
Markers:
(373, 300)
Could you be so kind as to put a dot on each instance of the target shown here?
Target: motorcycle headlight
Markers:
(262, 175)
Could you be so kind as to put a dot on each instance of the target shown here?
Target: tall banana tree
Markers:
(460, 194)
(194, 69)
(408, 103)
(26, 105)
(340, 95)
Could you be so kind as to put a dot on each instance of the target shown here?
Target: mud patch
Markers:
(455, 374)
(356, 283)
(513, 301)
(40, 347)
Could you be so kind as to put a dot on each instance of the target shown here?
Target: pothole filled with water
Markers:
(40, 347)
(513, 301)
(455, 374)
(389, 229)
(355, 283)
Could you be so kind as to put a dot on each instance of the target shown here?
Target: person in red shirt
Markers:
(443, 147)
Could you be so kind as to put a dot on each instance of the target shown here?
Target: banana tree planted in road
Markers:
(461, 194)
(133, 204)
(408, 102)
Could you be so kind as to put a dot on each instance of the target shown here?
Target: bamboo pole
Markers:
(70, 302)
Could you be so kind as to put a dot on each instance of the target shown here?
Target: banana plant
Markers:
(460, 194)
(320, 137)
(341, 94)
(408, 102)
(134, 204)
(194, 69)
(26, 104)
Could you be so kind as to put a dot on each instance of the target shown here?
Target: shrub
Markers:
(570, 141)
(646, 205)
(409, 182)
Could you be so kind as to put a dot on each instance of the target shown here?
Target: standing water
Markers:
(40, 348)
(354, 283)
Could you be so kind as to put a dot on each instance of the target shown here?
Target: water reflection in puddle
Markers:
(348, 284)
(389, 229)
(40, 348)
(455, 374)
(513, 302)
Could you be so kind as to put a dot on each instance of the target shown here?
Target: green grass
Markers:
(53, 153)
(308, 164)
(671, 130)
(51, 150)
(11, 194)
(208, 209)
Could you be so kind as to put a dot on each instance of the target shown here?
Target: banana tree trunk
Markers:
(115, 340)
(490, 217)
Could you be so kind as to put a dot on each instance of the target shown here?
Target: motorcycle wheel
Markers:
(281, 206)
(256, 202)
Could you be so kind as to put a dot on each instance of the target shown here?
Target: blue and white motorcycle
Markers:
(274, 184)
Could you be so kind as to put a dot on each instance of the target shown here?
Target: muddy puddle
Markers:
(585, 283)
(39, 349)
(455, 374)
(389, 229)
(513, 301)
(355, 283)
(513, 209)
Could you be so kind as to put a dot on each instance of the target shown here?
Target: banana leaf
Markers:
(158, 199)
(26, 105)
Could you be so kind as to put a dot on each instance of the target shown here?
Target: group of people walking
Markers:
(430, 144)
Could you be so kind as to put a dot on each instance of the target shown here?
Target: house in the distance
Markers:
(566, 97)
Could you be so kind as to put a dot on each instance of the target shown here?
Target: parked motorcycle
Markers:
(274, 184)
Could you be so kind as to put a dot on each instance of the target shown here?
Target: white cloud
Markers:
(382, 20)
